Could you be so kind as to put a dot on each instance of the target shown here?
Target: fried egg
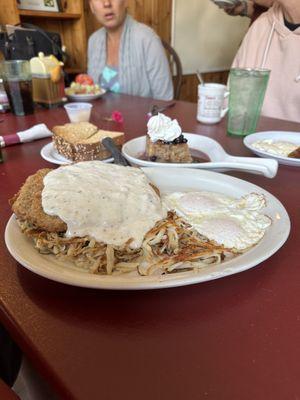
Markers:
(235, 223)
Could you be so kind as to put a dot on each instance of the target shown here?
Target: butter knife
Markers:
(119, 159)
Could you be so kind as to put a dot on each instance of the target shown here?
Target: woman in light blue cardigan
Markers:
(126, 56)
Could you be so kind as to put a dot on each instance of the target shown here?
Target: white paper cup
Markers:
(78, 112)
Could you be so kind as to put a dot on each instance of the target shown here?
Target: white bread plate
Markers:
(49, 154)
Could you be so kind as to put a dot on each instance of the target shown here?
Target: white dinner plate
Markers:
(49, 153)
(293, 137)
(84, 97)
(134, 149)
(167, 180)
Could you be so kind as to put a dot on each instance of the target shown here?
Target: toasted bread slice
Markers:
(74, 132)
(82, 142)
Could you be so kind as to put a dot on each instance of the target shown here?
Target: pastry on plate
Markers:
(165, 141)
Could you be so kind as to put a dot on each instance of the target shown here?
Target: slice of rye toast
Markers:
(82, 141)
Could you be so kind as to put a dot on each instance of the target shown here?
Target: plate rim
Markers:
(85, 96)
(67, 162)
(180, 279)
(290, 161)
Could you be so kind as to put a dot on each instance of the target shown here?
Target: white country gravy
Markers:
(108, 202)
(278, 148)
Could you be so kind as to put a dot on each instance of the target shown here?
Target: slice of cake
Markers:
(82, 141)
(165, 141)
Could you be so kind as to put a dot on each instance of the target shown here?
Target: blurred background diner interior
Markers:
(177, 22)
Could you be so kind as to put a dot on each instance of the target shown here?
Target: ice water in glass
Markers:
(247, 91)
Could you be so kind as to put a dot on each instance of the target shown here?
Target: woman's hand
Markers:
(244, 8)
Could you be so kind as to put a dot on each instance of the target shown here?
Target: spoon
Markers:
(200, 78)
(155, 109)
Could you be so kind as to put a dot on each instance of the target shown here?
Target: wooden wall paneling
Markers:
(148, 16)
(9, 12)
(216, 77)
(134, 7)
(67, 35)
(163, 10)
(47, 24)
(91, 24)
(76, 42)
(155, 13)
(74, 6)
(164, 19)
(73, 34)
(189, 89)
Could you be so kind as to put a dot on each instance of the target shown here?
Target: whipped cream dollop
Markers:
(161, 127)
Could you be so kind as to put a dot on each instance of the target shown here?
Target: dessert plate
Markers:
(49, 153)
(166, 180)
(293, 137)
(219, 159)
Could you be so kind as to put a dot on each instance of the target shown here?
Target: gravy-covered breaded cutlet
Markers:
(27, 204)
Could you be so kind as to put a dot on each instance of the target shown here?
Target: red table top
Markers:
(232, 338)
(6, 392)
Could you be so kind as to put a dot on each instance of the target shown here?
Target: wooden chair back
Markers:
(176, 68)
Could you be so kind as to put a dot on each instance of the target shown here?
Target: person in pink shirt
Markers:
(273, 42)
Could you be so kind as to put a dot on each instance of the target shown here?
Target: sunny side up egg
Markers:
(235, 223)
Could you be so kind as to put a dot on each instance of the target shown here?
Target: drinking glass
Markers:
(247, 89)
(17, 81)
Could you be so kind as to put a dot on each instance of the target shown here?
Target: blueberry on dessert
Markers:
(165, 141)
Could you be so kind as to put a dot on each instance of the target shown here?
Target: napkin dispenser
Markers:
(47, 80)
